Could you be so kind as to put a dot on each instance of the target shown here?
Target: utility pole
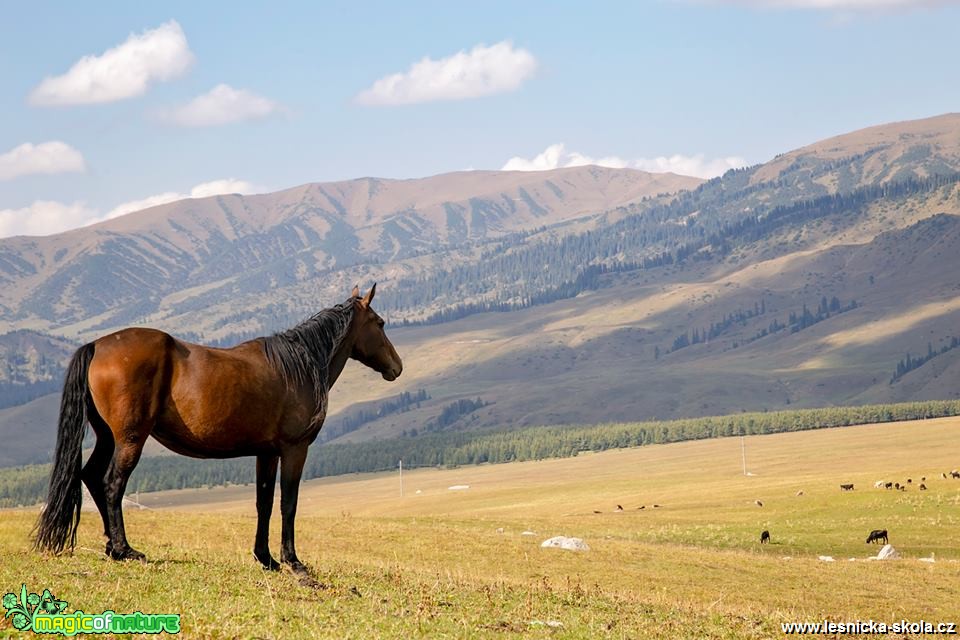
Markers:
(743, 453)
(401, 478)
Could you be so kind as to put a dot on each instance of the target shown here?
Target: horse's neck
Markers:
(339, 359)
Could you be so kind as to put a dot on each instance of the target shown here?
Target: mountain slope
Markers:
(806, 281)
(123, 268)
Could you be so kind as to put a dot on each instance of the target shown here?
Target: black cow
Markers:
(888, 485)
(877, 535)
(955, 474)
(923, 487)
(764, 537)
(846, 487)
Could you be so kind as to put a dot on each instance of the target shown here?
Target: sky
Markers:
(112, 107)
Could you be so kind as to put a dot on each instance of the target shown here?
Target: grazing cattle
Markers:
(846, 487)
(896, 486)
(800, 493)
(643, 506)
(903, 487)
(923, 487)
(765, 537)
(656, 506)
(955, 474)
(877, 535)
(878, 484)
(909, 481)
(888, 485)
(923, 478)
(595, 511)
(943, 475)
(619, 508)
(758, 503)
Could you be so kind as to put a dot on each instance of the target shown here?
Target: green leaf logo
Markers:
(27, 606)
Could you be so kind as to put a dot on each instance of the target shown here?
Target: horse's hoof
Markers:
(109, 550)
(298, 567)
(268, 563)
(128, 554)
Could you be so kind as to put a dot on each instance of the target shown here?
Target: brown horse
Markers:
(265, 398)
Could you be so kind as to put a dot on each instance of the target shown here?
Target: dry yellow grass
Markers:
(692, 567)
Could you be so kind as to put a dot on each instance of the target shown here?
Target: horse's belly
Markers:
(221, 437)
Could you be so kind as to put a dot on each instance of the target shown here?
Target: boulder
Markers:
(888, 553)
(563, 542)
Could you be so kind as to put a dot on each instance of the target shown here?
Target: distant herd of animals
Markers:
(877, 535)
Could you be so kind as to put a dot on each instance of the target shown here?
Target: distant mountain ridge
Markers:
(124, 268)
(624, 302)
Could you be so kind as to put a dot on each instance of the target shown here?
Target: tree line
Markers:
(909, 363)
(28, 485)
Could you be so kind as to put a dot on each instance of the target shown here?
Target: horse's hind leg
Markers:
(125, 458)
(266, 482)
(95, 471)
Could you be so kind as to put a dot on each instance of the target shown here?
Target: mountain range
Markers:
(581, 295)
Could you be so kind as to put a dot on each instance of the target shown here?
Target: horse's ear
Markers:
(356, 291)
(367, 299)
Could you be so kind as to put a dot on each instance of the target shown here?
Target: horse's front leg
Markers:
(266, 482)
(291, 468)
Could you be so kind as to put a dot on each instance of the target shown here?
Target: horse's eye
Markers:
(380, 322)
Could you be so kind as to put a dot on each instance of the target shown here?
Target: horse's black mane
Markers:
(302, 354)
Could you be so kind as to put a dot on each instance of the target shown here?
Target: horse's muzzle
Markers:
(392, 374)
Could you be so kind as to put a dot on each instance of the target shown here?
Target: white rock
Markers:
(563, 542)
(458, 487)
(529, 533)
(888, 553)
(546, 623)
(826, 558)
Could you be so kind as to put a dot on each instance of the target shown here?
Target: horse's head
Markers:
(371, 345)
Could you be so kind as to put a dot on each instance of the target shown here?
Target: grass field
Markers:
(434, 564)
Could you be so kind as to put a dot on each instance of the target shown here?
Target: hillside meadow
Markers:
(442, 563)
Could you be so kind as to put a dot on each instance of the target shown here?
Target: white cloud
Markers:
(221, 105)
(45, 217)
(202, 190)
(46, 157)
(556, 156)
(480, 72)
(138, 205)
(852, 5)
(226, 185)
(124, 71)
(696, 165)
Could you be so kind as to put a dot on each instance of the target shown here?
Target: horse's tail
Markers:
(60, 517)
